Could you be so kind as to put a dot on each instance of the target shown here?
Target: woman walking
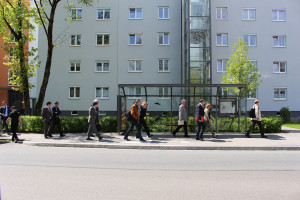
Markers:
(143, 114)
(208, 119)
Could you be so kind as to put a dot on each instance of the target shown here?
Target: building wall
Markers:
(3, 75)
(118, 52)
(264, 52)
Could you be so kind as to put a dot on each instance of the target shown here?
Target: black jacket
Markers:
(56, 112)
(2, 111)
(143, 113)
(200, 111)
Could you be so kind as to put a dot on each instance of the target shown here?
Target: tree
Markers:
(16, 33)
(45, 10)
(240, 70)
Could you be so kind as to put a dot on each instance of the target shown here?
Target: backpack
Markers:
(252, 113)
(128, 115)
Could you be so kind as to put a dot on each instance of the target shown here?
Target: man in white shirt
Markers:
(256, 120)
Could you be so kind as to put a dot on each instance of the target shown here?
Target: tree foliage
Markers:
(241, 70)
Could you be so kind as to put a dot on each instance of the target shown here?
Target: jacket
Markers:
(56, 112)
(47, 114)
(143, 113)
(182, 113)
(207, 115)
(93, 114)
(200, 113)
(257, 113)
(135, 112)
(2, 111)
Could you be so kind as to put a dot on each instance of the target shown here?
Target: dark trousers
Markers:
(200, 129)
(134, 123)
(179, 127)
(144, 124)
(56, 122)
(4, 124)
(93, 128)
(48, 127)
(254, 122)
(14, 129)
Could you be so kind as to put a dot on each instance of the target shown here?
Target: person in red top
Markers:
(135, 121)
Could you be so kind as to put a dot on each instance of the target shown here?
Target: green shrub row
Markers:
(156, 124)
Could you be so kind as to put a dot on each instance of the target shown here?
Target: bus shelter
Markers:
(164, 100)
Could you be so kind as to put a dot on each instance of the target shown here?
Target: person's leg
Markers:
(50, 130)
(210, 128)
(94, 128)
(59, 128)
(5, 125)
(128, 131)
(251, 128)
(261, 130)
(202, 130)
(143, 123)
(138, 133)
(14, 130)
(185, 129)
(198, 130)
(46, 128)
(177, 129)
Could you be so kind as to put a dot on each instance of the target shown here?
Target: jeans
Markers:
(208, 124)
(135, 123)
(200, 129)
(179, 127)
(254, 122)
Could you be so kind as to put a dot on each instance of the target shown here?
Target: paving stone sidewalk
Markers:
(289, 139)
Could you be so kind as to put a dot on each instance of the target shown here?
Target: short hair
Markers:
(14, 107)
(208, 105)
(256, 101)
(144, 103)
(138, 100)
(49, 102)
(201, 100)
(95, 103)
(182, 100)
(56, 102)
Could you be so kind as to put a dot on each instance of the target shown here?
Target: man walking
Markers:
(200, 120)
(182, 119)
(47, 119)
(256, 120)
(56, 120)
(15, 118)
(93, 114)
(4, 112)
(135, 113)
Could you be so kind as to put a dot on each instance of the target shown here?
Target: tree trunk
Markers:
(40, 101)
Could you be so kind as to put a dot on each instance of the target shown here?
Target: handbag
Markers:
(180, 122)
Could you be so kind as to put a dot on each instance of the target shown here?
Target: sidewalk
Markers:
(288, 140)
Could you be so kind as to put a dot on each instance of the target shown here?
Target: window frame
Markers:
(222, 45)
(249, 39)
(103, 39)
(76, 10)
(277, 15)
(223, 67)
(278, 41)
(163, 91)
(164, 7)
(75, 62)
(256, 96)
(102, 61)
(164, 33)
(102, 89)
(103, 10)
(164, 71)
(135, 71)
(280, 88)
(221, 8)
(135, 39)
(278, 62)
(76, 40)
(135, 14)
(248, 14)
(74, 92)
(73, 114)
(134, 89)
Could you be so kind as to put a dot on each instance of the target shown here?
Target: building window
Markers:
(102, 93)
(249, 14)
(75, 66)
(253, 94)
(278, 15)
(76, 14)
(163, 93)
(163, 65)
(163, 13)
(221, 13)
(222, 39)
(102, 39)
(135, 13)
(74, 93)
(279, 41)
(280, 93)
(135, 66)
(250, 40)
(134, 92)
(74, 113)
(163, 38)
(135, 39)
(75, 40)
(103, 14)
(102, 66)
(279, 67)
(221, 65)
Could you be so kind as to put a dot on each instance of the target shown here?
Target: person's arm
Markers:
(8, 119)
(180, 113)
(256, 112)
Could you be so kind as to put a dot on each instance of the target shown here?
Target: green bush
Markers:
(285, 114)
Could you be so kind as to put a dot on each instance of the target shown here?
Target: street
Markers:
(42, 173)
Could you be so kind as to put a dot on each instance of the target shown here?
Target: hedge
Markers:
(34, 124)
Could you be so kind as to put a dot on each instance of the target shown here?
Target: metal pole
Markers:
(217, 109)
(239, 111)
(171, 109)
(246, 109)
(119, 106)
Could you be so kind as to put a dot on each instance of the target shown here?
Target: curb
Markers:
(164, 147)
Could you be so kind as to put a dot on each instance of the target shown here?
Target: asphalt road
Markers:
(40, 173)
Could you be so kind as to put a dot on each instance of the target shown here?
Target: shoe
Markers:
(51, 136)
(126, 139)
(13, 139)
(17, 140)
(197, 138)
(89, 138)
(263, 136)
(92, 135)
(214, 136)
(137, 137)
(100, 138)
(142, 140)
(123, 133)
(174, 134)
(62, 135)
(150, 135)
(248, 136)
(187, 136)
(47, 137)
(201, 139)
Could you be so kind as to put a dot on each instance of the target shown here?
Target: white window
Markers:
(279, 41)
(74, 93)
(74, 113)
(135, 66)
(135, 39)
(103, 14)
(135, 13)
(163, 12)
(163, 38)
(249, 14)
(221, 65)
(102, 39)
(102, 66)
(280, 93)
(250, 40)
(163, 93)
(75, 66)
(279, 67)
(134, 92)
(222, 39)
(75, 40)
(253, 94)
(163, 65)
(102, 93)
(76, 13)
(221, 13)
(278, 15)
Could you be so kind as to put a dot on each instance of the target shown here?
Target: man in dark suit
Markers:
(200, 120)
(4, 112)
(47, 119)
(56, 119)
(93, 114)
